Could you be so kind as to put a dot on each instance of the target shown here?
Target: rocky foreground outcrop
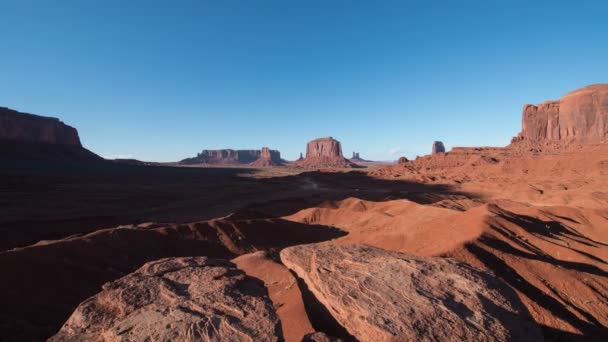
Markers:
(177, 299)
(377, 295)
(324, 152)
(581, 115)
(74, 269)
(229, 157)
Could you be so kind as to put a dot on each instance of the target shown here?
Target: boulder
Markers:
(378, 295)
(581, 115)
(438, 147)
(324, 152)
(177, 299)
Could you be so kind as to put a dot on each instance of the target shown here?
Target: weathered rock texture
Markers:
(438, 147)
(324, 152)
(581, 115)
(229, 157)
(268, 158)
(177, 299)
(283, 291)
(32, 128)
(379, 295)
(73, 269)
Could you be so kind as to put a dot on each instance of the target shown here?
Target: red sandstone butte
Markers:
(324, 152)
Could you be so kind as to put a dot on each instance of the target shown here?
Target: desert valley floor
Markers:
(534, 216)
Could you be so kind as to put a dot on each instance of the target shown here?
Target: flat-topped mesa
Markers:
(228, 157)
(324, 152)
(30, 128)
(581, 115)
(268, 158)
(438, 147)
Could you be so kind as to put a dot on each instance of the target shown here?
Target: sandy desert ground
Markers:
(535, 218)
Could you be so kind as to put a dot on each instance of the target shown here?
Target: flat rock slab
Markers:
(378, 295)
(177, 299)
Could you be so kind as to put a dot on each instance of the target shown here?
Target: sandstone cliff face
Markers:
(23, 127)
(377, 295)
(229, 157)
(438, 147)
(177, 299)
(324, 152)
(581, 115)
(268, 158)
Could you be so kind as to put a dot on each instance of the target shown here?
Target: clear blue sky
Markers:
(162, 80)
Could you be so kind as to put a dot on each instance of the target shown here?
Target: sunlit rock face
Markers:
(581, 115)
(324, 152)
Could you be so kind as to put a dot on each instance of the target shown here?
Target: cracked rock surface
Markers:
(378, 295)
(177, 299)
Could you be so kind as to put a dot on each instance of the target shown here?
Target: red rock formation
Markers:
(228, 157)
(181, 299)
(268, 158)
(38, 138)
(581, 115)
(23, 127)
(378, 295)
(324, 152)
(357, 158)
(438, 147)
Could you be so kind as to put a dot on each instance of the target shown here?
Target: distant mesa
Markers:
(268, 158)
(581, 115)
(26, 136)
(356, 158)
(324, 152)
(438, 147)
(230, 157)
(301, 157)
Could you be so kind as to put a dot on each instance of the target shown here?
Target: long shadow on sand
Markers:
(512, 277)
(42, 285)
(50, 201)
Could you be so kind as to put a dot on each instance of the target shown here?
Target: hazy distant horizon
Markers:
(156, 82)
